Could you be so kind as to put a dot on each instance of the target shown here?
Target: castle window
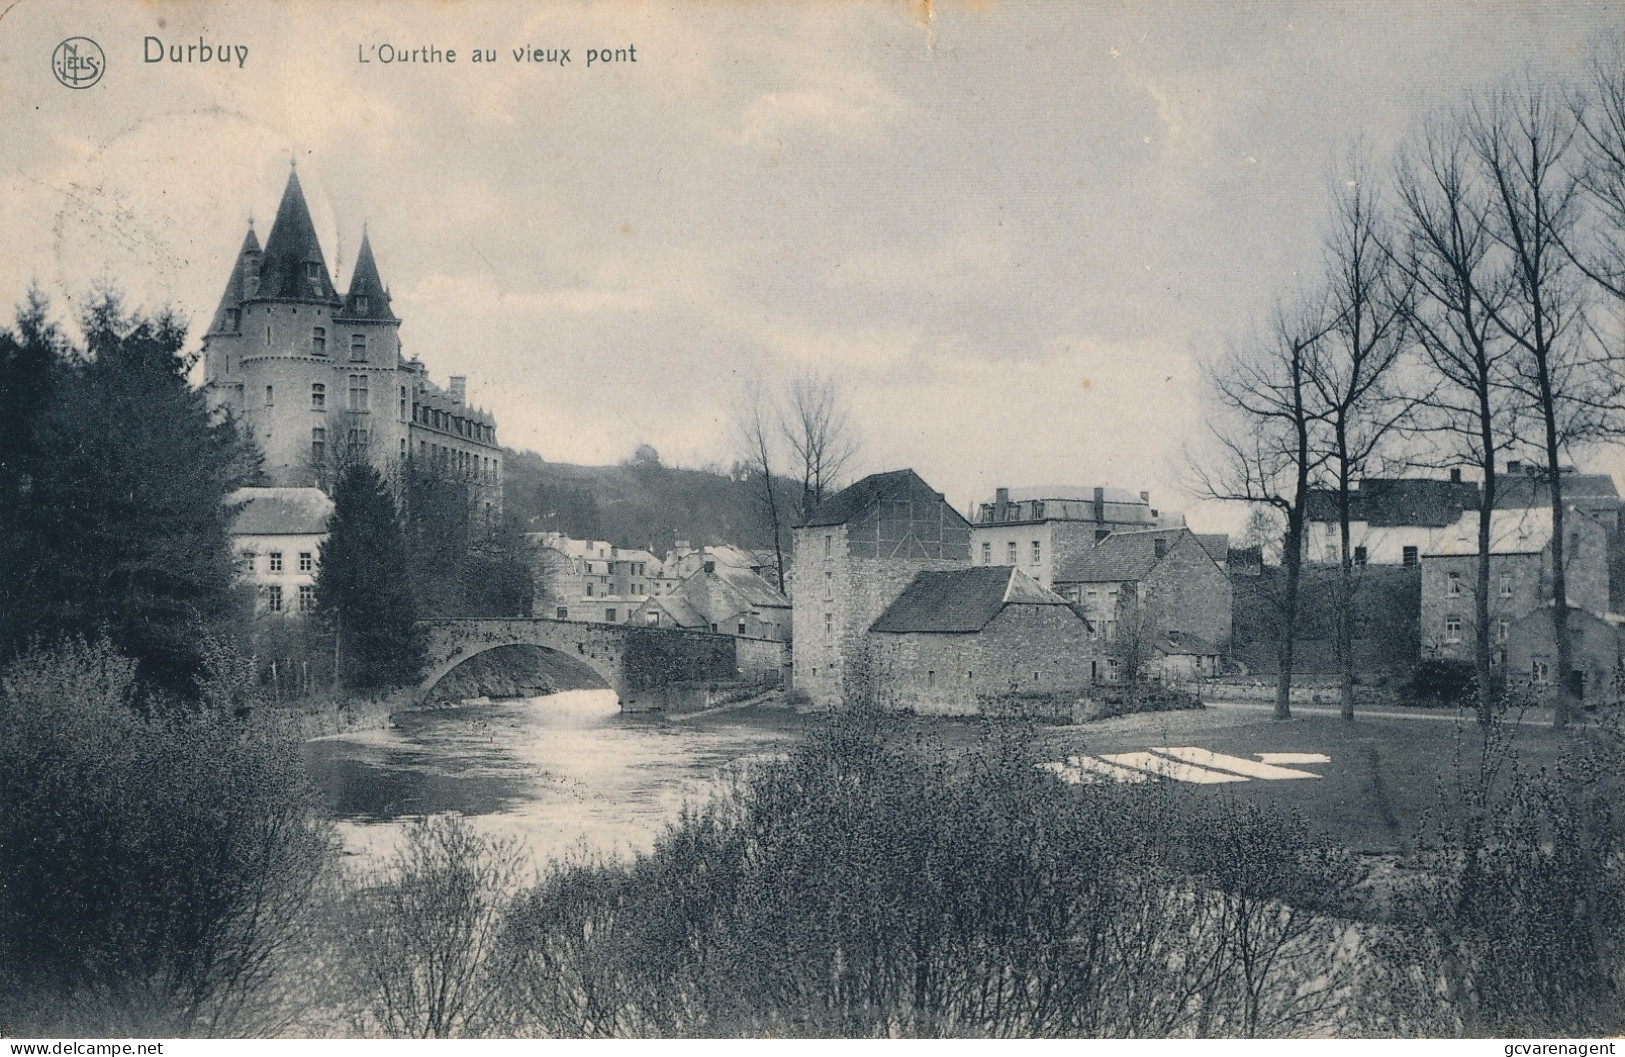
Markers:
(829, 625)
(403, 403)
(267, 333)
(318, 340)
(403, 447)
(987, 553)
(318, 396)
(358, 392)
(318, 444)
(276, 561)
(1038, 552)
(270, 396)
(1010, 553)
(361, 303)
(358, 346)
(829, 586)
(307, 561)
(563, 613)
(234, 320)
(313, 270)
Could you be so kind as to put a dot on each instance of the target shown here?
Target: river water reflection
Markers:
(564, 772)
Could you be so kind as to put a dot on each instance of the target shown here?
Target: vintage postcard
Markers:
(867, 520)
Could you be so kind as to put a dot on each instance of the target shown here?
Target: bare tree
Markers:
(1601, 118)
(1525, 141)
(821, 438)
(1352, 372)
(753, 420)
(1468, 407)
(1267, 431)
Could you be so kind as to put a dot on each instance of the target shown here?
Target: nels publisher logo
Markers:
(78, 62)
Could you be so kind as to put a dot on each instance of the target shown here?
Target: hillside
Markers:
(639, 505)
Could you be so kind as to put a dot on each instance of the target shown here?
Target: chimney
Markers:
(1455, 475)
(459, 388)
(1100, 504)
(1145, 497)
(1001, 496)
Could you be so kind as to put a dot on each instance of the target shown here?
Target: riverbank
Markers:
(330, 717)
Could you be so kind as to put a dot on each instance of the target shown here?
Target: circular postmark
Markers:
(78, 62)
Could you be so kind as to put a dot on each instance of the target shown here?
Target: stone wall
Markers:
(1187, 592)
(1023, 651)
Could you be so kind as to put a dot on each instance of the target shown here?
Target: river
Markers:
(562, 774)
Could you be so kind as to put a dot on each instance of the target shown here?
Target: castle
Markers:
(318, 380)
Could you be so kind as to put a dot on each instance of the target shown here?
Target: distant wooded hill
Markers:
(641, 503)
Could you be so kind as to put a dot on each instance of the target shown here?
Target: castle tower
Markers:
(318, 380)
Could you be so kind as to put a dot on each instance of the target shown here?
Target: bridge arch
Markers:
(548, 666)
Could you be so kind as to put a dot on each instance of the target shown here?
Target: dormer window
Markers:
(234, 320)
(358, 346)
(313, 270)
(361, 304)
(318, 341)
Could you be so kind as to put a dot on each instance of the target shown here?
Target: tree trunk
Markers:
(1345, 589)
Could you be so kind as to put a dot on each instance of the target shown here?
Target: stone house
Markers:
(854, 555)
(591, 579)
(277, 537)
(720, 598)
(1177, 657)
(1159, 581)
(1392, 520)
(973, 641)
(1520, 577)
(1040, 529)
(1597, 642)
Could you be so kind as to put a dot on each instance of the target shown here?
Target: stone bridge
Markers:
(648, 668)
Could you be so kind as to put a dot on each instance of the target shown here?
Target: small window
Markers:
(562, 613)
(829, 625)
(318, 396)
(829, 546)
(358, 392)
(609, 616)
(307, 598)
(829, 586)
(358, 346)
(1331, 530)
(307, 561)
(234, 320)
(1408, 557)
(741, 627)
(247, 560)
(1540, 673)
(1453, 583)
(1506, 585)
(589, 590)
(318, 444)
(1010, 553)
(318, 341)
(313, 270)
(270, 396)
(403, 403)
(1452, 628)
(987, 553)
(361, 303)
(653, 617)
(273, 598)
(930, 678)
(276, 561)
(1359, 556)
(1159, 548)
(1038, 552)
(1501, 629)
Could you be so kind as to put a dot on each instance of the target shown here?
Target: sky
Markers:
(1010, 234)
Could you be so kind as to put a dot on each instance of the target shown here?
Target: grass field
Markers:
(1386, 788)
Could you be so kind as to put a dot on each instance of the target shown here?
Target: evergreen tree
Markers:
(362, 589)
(122, 517)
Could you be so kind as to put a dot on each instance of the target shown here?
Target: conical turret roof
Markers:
(293, 268)
(368, 299)
(244, 276)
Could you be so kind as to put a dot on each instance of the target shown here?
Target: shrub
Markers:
(154, 866)
(420, 934)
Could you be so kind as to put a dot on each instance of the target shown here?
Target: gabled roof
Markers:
(290, 248)
(1386, 502)
(963, 601)
(244, 276)
(852, 501)
(1122, 557)
(364, 282)
(280, 511)
(682, 614)
(1217, 545)
(723, 592)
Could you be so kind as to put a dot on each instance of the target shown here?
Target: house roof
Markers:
(1521, 530)
(725, 591)
(1385, 502)
(962, 601)
(677, 607)
(240, 286)
(280, 511)
(1532, 490)
(1217, 545)
(851, 501)
(1184, 644)
(1073, 493)
(1122, 557)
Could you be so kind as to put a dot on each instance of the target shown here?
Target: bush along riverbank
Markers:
(874, 882)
